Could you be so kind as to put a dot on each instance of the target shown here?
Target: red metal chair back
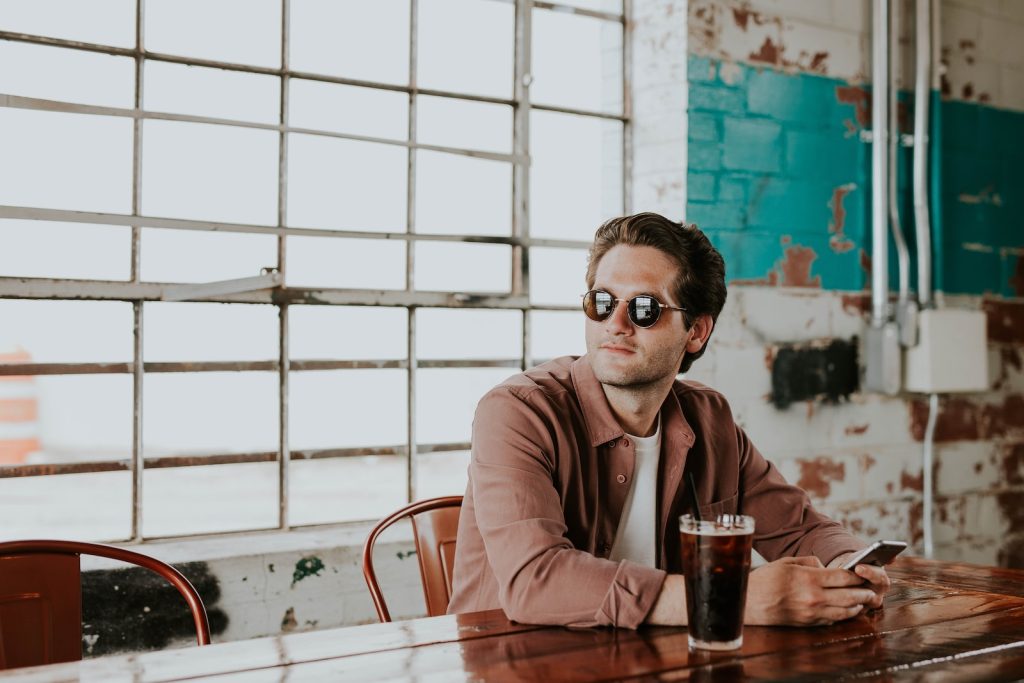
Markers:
(435, 524)
(41, 599)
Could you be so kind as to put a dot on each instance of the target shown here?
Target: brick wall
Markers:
(777, 173)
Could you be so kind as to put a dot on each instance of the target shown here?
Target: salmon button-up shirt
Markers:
(548, 478)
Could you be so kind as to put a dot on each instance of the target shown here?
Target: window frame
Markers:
(270, 288)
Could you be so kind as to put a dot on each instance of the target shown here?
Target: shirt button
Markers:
(621, 478)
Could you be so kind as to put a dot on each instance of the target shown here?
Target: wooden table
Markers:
(941, 622)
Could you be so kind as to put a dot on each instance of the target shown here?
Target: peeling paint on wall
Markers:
(306, 567)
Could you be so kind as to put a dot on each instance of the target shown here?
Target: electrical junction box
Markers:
(951, 353)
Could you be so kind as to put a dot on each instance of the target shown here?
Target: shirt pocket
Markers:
(723, 507)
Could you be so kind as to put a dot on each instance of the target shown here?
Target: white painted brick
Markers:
(845, 58)
(846, 320)
(663, 128)
(827, 478)
(658, 101)
(661, 156)
(741, 373)
(785, 315)
(1012, 10)
(958, 24)
(890, 473)
(1011, 86)
(731, 329)
(779, 434)
(740, 42)
(852, 15)
(870, 420)
(873, 521)
(661, 192)
(965, 466)
(816, 11)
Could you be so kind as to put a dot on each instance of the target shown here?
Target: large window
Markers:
(259, 259)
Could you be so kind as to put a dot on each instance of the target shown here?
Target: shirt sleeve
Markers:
(787, 525)
(542, 578)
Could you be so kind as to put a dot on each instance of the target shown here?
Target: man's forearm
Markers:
(670, 607)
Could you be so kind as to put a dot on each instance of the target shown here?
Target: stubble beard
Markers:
(639, 376)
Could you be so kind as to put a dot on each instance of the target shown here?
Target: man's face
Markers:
(620, 353)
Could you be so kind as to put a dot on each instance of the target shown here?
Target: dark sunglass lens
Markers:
(644, 311)
(598, 305)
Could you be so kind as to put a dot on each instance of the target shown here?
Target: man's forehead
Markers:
(635, 270)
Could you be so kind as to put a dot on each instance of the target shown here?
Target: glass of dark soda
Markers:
(716, 562)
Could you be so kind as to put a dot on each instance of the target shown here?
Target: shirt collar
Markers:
(602, 427)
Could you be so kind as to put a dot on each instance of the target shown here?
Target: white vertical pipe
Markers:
(922, 106)
(879, 163)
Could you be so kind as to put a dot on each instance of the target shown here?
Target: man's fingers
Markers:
(840, 578)
(850, 597)
(803, 560)
(876, 575)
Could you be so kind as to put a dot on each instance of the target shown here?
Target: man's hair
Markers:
(700, 285)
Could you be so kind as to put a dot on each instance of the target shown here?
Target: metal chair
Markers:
(435, 523)
(41, 599)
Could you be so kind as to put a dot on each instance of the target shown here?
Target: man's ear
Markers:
(699, 333)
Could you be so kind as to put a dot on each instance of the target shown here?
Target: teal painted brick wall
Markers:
(781, 182)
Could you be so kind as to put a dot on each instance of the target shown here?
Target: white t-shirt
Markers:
(636, 537)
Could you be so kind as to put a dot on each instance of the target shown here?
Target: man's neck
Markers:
(636, 407)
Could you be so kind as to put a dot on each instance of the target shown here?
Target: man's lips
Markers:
(618, 349)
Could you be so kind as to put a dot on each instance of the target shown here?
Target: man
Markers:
(575, 482)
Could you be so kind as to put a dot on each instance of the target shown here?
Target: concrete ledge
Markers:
(253, 585)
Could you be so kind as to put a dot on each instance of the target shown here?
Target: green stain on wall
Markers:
(780, 180)
(306, 567)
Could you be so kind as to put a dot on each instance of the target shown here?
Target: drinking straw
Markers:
(692, 488)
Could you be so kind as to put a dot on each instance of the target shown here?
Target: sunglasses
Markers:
(643, 310)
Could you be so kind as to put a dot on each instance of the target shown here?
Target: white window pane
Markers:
(354, 38)
(181, 89)
(208, 499)
(460, 123)
(347, 408)
(442, 474)
(67, 331)
(477, 61)
(346, 489)
(66, 161)
(210, 332)
(210, 412)
(614, 6)
(446, 400)
(106, 22)
(457, 194)
(454, 267)
(209, 172)
(468, 333)
(589, 76)
(575, 175)
(348, 109)
(83, 418)
(346, 184)
(38, 507)
(53, 73)
(347, 332)
(43, 249)
(556, 333)
(557, 276)
(196, 256)
(240, 31)
(346, 263)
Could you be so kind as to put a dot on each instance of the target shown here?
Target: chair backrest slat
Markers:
(41, 598)
(435, 524)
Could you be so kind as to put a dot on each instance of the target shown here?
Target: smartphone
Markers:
(879, 553)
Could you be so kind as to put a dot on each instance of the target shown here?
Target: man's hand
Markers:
(800, 591)
(876, 578)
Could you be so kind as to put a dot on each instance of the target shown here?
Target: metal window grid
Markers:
(137, 292)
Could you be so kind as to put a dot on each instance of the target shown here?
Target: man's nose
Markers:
(618, 321)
